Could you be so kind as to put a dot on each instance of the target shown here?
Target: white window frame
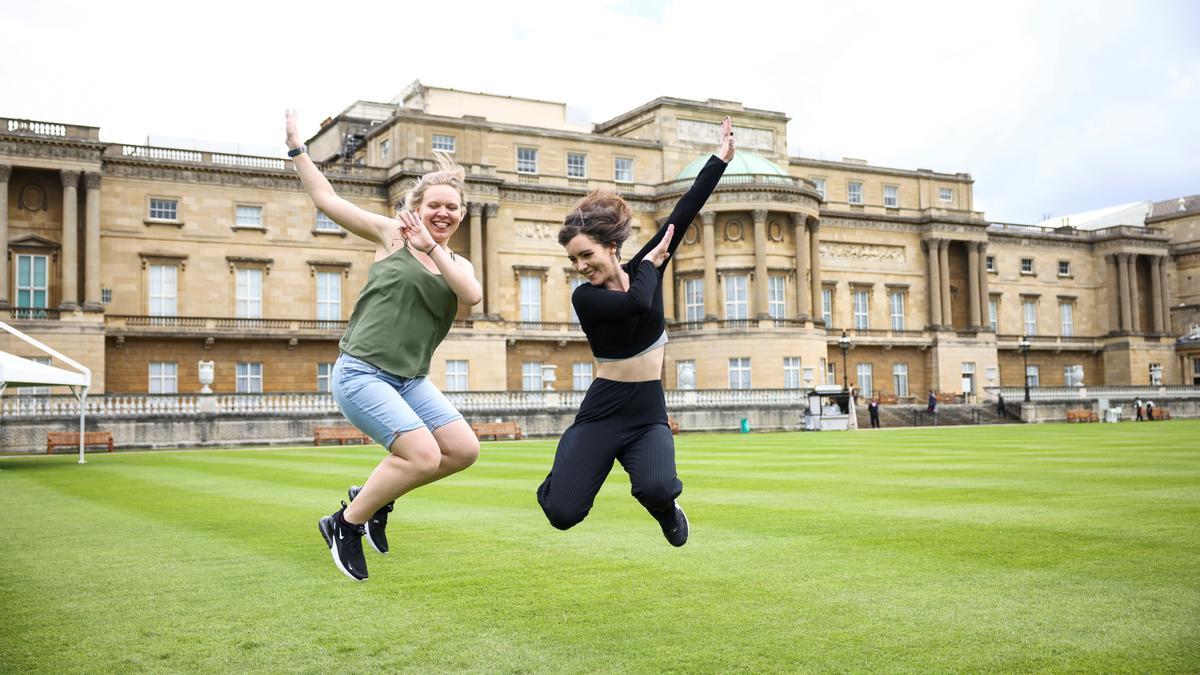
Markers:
(866, 379)
(250, 377)
(162, 292)
(994, 314)
(577, 169)
(324, 375)
(739, 373)
(622, 174)
(1029, 316)
(1069, 375)
(329, 296)
(945, 195)
(531, 297)
(896, 303)
(324, 223)
(900, 378)
(791, 372)
(581, 375)
(163, 377)
(1064, 264)
(1032, 376)
(891, 196)
(36, 295)
(736, 297)
(989, 263)
(531, 376)
(457, 375)
(1027, 266)
(862, 309)
(854, 192)
(529, 163)
(820, 183)
(576, 282)
(443, 143)
(829, 371)
(162, 208)
(248, 296)
(693, 299)
(1066, 314)
(776, 299)
(385, 148)
(827, 306)
(249, 216)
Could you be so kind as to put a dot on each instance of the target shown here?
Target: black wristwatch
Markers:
(296, 151)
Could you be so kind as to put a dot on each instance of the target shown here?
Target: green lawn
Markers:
(1047, 548)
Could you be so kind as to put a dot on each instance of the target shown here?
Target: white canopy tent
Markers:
(22, 372)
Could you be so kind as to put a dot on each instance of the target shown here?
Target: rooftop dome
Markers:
(743, 162)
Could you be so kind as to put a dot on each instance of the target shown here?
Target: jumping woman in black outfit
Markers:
(623, 416)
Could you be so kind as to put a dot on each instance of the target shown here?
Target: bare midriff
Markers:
(640, 368)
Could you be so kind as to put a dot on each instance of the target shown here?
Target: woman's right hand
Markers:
(291, 134)
(725, 152)
(660, 253)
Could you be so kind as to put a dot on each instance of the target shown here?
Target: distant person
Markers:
(1137, 407)
(1000, 404)
(932, 407)
(1150, 411)
(873, 409)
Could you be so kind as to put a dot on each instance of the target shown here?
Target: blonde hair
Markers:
(448, 172)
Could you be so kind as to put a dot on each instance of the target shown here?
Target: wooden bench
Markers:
(1082, 415)
(70, 439)
(1160, 414)
(674, 425)
(497, 429)
(948, 397)
(888, 399)
(339, 434)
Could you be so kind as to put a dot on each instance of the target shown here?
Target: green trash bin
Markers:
(745, 426)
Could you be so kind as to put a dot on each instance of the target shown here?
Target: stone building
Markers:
(143, 261)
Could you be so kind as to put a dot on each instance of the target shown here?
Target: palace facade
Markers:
(143, 261)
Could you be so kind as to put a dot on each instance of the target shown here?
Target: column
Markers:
(91, 242)
(1166, 295)
(1135, 310)
(476, 232)
(491, 294)
(1114, 293)
(973, 319)
(709, 219)
(944, 269)
(1123, 276)
(985, 299)
(761, 283)
(5, 172)
(70, 240)
(814, 264)
(803, 296)
(1156, 299)
(934, 284)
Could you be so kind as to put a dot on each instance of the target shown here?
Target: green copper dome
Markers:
(743, 162)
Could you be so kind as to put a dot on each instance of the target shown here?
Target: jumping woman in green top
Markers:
(402, 314)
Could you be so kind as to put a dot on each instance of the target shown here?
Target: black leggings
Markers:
(622, 421)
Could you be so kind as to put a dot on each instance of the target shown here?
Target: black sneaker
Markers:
(377, 525)
(345, 545)
(676, 529)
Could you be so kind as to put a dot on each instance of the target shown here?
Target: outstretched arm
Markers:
(594, 303)
(693, 200)
(370, 226)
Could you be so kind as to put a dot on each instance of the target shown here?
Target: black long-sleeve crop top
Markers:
(621, 324)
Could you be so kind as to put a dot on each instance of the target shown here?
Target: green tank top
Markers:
(402, 315)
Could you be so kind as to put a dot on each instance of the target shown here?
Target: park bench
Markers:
(888, 399)
(674, 425)
(70, 439)
(948, 397)
(497, 429)
(340, 434)
(1160, 414)
(1082, 415)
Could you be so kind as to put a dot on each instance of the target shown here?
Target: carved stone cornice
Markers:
(29, 148)
(281, 181)
(236, 261)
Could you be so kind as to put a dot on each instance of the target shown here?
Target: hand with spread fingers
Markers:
(725, 152)
(415, 232)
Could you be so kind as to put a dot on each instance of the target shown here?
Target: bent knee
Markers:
(656, 492)
(563, 518)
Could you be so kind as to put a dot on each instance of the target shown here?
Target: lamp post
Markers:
(844, 343)
(1024, 345)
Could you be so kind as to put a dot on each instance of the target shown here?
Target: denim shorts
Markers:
(382, 405)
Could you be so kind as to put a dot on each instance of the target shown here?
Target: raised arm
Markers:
(373, 227)
(693, 200)
(594, 303)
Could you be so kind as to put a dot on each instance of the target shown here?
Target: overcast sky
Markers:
(1053, 107)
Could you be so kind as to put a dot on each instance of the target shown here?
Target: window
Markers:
(827, 306)
(1066, 310)
(854, 193)
(830, 369)
(35, 391)
(329, 296)
(249, 378)
(896, 301)
(1026, 265)
(791, 372)
(1156, 374)
(531, 297)
(456, 375)
(1064, 268)
(164, 209)
(576, 165)
(1031, 376)
(106, 296)
(775, 300)
(1073, 375)
(385, 148)
(685, 374)
(862, 309)
(531, 376)
(990, 263)
(325, 223)
(735, 297)
(324, 371)
(693, 300)
(443, 143)
(249, 293)
(900, 378)
(739, 373)
(820, 183)
(1029, 309)
(163, 377)
(946, 194)
(866, 386)
(249, 216)
(623, 170)
(33, 288)
(891, 196)
(575, 283)
(581, 376)
(163, 288)
(993, 312)
(527, 161)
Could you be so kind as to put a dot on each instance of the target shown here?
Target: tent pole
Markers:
(81, 396)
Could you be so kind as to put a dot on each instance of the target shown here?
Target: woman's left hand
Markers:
(725, 152)
(412, 229)
(659, 255)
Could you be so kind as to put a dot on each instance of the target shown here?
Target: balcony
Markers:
(34, 314)
(121, 325)
(1055, 343)
(67, 132)
(879, 336)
